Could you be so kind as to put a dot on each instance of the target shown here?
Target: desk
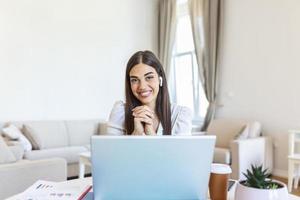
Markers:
(89, 181)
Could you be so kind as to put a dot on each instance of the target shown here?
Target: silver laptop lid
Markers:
(151, 167)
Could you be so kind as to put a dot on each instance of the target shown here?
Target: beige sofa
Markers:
(59, 143)
(240, 143)
(62, 138)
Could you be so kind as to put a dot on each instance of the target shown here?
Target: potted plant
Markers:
(259, 186)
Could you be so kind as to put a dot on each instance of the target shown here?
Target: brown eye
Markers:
(133, 80)
(148, 78)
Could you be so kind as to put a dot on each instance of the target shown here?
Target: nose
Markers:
(142, 84)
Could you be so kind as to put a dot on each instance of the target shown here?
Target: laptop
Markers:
(151, 167)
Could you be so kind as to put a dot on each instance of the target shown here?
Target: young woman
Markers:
(147, 110)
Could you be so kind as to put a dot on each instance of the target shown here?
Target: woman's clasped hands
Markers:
(145, 121)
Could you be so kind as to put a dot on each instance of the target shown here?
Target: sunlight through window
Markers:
(186, 86)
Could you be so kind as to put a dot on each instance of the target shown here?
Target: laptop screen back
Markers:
(151, 167)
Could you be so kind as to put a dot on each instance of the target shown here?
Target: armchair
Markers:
(239, 144)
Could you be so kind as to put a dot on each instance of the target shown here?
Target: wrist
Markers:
(149, 130)
(137, 132)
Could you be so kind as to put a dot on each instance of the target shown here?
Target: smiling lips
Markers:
(145, 94)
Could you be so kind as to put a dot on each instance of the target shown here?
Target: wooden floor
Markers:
(284, 180)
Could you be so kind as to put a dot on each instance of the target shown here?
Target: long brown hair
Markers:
(162, 105)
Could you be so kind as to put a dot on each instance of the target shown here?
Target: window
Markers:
(186, 88)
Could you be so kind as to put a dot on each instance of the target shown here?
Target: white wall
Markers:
(65, 59)
(260, 68)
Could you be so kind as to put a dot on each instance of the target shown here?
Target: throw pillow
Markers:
(6, 156)
(254, 130)
(8, 141)
(243, 133)
(14, 133)
(32, 137)
(17, 150)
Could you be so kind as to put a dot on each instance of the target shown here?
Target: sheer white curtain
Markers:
(205, 19)
(167, 30)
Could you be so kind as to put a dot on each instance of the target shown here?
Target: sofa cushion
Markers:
(6, 156)
(243, 133)
(47, 134)
(11, 131)
(102, 130)
(8, 141)
(80, 131)
(254, 130)
(70, 154)
(18, 124)
(32, 137)
(222, 155)
(14, 133)
(225, 130)
(17, 150)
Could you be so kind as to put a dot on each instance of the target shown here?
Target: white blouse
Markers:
(181, 120)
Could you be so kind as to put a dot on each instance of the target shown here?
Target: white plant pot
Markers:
(248, 193)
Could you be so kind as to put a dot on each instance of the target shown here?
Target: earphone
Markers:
(160, 81)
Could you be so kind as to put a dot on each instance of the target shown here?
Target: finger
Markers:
(144, 107)
(145, 116)
(142, 120)
(145, 120)
(138, 133)
(148, 109)
(137, 120)
(143, 112)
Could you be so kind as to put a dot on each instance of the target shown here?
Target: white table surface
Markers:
(89, 181)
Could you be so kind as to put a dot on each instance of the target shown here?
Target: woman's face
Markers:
(144, 82)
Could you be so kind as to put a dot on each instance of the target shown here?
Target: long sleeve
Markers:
(181, 120)
(116, 120)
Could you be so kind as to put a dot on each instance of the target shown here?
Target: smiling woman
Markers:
(147, 110)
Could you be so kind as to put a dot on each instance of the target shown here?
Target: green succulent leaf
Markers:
(257, 177)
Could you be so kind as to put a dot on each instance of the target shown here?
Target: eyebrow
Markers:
(144, 75)
(148, 73)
